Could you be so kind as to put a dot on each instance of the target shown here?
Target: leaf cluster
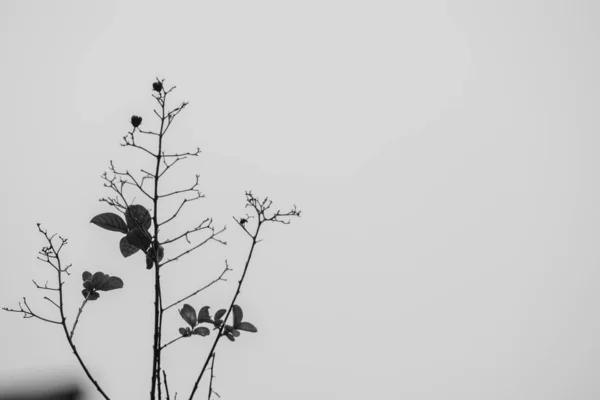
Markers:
(188, 313)
(136, 229)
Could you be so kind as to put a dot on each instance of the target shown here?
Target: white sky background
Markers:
(444, 155)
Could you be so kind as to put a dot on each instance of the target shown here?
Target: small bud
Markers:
(136, 121)
(157, 86)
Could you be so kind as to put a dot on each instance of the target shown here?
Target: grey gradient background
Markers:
(444, 154)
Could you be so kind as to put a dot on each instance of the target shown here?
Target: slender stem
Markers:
(237, 292)
(79, 313)
(212, 376)
(156, 347)
(166, 385)
(172, 341)
(220, 278)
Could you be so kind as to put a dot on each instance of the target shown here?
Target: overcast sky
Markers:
(444, 154)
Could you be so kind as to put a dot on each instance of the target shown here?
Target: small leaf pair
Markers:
(99, 281)
(238, 315)
(231, 332)
(189, 315)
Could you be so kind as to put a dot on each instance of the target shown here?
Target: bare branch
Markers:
(198, 196)
(148, 132)
(130, 141)
(45, 287)
(213, 236)
(242, 225)
(219, 278)
(212, 376)
(168, 166)
(172, 341)
(52, 301)
(133, 181)
(194, 154)
(206, 224)
(28, 313)
(166, 385)
(191, 189)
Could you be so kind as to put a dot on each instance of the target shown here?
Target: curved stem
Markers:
(235, 296)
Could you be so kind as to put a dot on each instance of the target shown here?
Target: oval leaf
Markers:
(219, 315)
(237, 315)
(183, 332)
(137, 216)
(149, 262)
(110, 221)
(246, 326)
(203, 313)
(99, 279)
(126, 248)
(86, 275)
(232, 330)
(229, 336)
(161, 253)
(139, 239)
(92, 296)
(188, 314)
(201, 330)
(112, 283)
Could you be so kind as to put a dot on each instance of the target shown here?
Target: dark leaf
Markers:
(188, 314)
(150, 258)
(183, 332)
(246, 326)
(149, 263)
(92, 296)
(110, 221)
(220, 314)
(232, 330)
(86, 275)
(137, 216)
(229, 336)
(204, 314)
(99, 279)
(112, 283)
(88, 284)
(238, 315)
(139, 239)
(126, 248)
(201, 330)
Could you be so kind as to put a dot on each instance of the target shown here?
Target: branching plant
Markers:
(140, 227)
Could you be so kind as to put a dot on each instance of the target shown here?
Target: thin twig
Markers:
(213, 236)
(166, 385)
(219, 278)
(212, 376)
(79, 313)
(172, 341)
